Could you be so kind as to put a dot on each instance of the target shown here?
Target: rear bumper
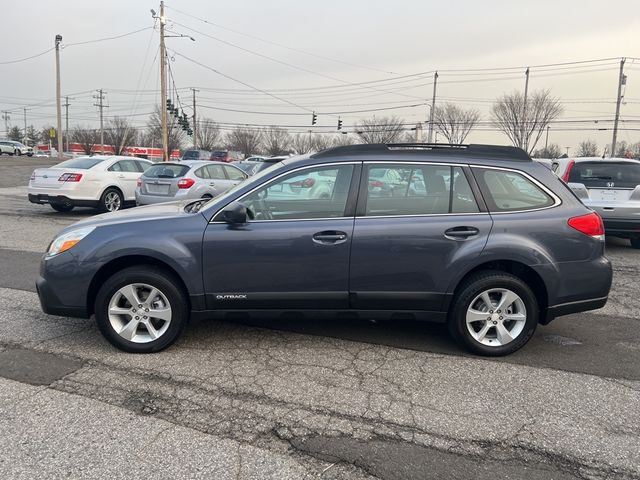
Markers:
(622, 226)
(62, 199)
(147, 199)
(573, 307)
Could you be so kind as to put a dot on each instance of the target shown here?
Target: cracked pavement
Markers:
(304, 400)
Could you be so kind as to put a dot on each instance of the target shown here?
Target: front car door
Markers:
(295, 252)
(411, 237)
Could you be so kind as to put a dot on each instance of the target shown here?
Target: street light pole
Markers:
(163, 87)
(58, 106)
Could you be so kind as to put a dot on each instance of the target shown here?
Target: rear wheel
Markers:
(635, 242)
(62, 207)
(141, 309)
(494, 313)
(111, 200)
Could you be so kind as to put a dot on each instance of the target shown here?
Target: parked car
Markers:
(167, 182)
(6, 147)
(226, 156)
(19, 148)
(40, 153)
(505, 246)
(611, 187)
(107, 183)
(196, 155)
(251, 167)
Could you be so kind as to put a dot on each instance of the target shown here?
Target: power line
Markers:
(107, 38)
(27, 58)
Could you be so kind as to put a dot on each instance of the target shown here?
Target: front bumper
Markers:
(43, 199)
(52, 305)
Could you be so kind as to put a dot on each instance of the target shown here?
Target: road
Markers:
(300, 399)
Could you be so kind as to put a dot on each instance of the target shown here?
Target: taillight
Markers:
(306, 183)
(567, 172)
(376, 183)
(70, 177)
(186, 183)
(139, 183)
(589, 224)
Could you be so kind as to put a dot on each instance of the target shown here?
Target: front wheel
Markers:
(111, 200)
(493, 314)
(141, 309)
(635, 242)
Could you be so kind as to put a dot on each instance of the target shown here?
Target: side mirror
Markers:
(236, 213)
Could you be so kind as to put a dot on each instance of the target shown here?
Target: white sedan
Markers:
(105, 182)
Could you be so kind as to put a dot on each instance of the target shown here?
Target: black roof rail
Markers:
(496, 151)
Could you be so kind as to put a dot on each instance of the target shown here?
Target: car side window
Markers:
(317, 192)
(233, 173)
(406, 189)
(216, 172)
(202, 172)
(142, 166)
(507, 191)
(124, 166)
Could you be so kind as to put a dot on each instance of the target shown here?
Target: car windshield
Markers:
(247, 166)
(191, 155)
(606, 174)
(167, 170)
(219, 154)
(83, 163)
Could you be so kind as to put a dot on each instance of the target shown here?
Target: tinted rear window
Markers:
(218, 154)
(82, 163)
(507, 191)
(167, 171)
(606, 174)
(191, 155)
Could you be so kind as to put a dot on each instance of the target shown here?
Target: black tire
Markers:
(635, 242)
(62, 207)
(17, 152)
(469, 291)
(105, 200)
(155, 277)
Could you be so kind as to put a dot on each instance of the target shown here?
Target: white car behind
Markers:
(105, 182)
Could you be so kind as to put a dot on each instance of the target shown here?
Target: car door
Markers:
(408, 245)
(218, 182)
(293, 254)
(234, 176)
(127, 174)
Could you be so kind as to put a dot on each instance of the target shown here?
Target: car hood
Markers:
(137, 214)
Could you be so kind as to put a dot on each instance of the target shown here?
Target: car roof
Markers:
(603, 160)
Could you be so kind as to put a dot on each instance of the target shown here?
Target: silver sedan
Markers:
(169, 181)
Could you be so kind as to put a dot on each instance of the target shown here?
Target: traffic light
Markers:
(314, 118)
(169, 105)
(339, 124)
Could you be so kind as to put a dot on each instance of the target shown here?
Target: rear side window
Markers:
(83, 163)
(606, 174)
(216, 172)
(418, 190)
(202, 172)
(507, 191)
(166, 171)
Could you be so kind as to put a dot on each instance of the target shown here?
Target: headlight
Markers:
(66, 241)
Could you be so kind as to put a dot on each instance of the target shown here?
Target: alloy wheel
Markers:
(112, 201)
(139, 313)
(496, 317)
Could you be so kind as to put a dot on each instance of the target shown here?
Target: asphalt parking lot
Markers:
(296, 399)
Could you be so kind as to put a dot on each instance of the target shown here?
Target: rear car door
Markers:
(411, 237)
(293, 254)
(126, 173)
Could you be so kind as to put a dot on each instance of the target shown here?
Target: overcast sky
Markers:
(333, 43)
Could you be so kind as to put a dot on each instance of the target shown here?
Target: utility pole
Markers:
(195, 124)
(58, 109)
(163, 87)
(25, 125)
(433, 105)
(419, 132)
(524, 139)
(66, 120)
(622, 80)
(6, 117)
(546, 140)
(100, 105)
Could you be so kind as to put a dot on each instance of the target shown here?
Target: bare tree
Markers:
(245, 139)
(454, 122)
(86, 137)
(153, 135)
(587, 148)
(553, 150)
(380, 129)
(276, 141)
(301, 143)
(340, 140)
(209, 135)
(119, 134)
(320, 142)
(524, 125)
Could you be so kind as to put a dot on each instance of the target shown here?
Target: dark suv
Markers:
(477, 236)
